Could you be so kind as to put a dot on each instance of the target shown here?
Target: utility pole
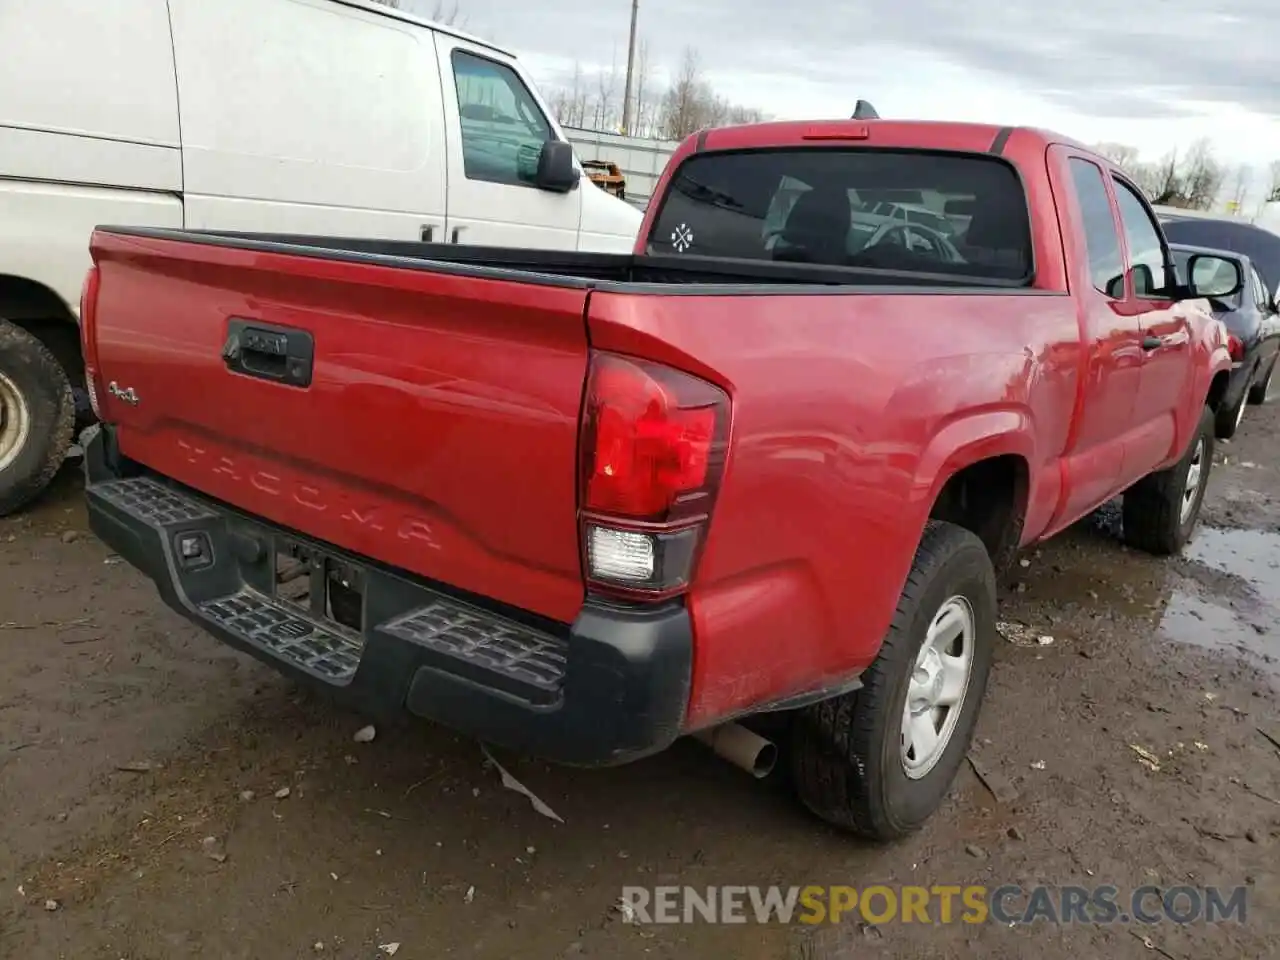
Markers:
(631, 65)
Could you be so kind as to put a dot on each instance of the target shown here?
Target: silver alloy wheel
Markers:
(937, 688)
(15, 421)
(1195, 477)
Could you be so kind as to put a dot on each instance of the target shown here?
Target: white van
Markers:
(337, 117)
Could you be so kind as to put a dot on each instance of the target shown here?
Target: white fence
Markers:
(640, 160)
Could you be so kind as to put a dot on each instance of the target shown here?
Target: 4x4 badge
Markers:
(126, 394)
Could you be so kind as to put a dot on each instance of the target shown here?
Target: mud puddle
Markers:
(1240, 619)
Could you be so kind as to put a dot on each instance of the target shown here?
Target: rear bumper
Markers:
(611, 687)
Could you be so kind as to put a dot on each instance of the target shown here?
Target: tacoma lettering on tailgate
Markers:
(320, 498)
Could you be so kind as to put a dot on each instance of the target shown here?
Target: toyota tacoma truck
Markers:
(768, 465)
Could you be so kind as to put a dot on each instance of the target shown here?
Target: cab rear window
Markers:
(906, 211)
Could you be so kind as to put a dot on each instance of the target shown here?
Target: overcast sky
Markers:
(1151, 73)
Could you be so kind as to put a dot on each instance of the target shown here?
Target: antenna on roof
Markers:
(862, 110)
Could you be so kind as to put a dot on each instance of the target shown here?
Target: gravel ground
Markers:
(127, 738)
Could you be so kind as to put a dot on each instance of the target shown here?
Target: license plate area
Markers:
(320, 585)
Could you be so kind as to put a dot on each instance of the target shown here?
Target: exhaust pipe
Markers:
(741, 747)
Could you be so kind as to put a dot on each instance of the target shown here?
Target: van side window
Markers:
(1146, 251)
(1100, 237)
(503, 129)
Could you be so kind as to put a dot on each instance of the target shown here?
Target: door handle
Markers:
(456, 232)
(428, 234)
(267, 352)
(1152, 343)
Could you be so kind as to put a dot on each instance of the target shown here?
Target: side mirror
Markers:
(556, 169)
(1210, 276)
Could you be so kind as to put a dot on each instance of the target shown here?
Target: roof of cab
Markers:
(935, 134)
(397, 14)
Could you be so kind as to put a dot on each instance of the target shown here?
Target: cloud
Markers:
(1169, 69)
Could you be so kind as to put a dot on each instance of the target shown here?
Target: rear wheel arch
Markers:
(977, 471)
(988, 497)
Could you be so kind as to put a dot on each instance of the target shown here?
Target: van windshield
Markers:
(907, 211)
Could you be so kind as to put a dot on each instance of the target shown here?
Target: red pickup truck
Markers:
(580, 505)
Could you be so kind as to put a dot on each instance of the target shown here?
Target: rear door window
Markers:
(1146, 249)
(833, 207)
(1102, 240)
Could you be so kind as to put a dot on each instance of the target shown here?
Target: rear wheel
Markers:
(1258, 392)
(37, 417)
(1161, 510)
(880, 760)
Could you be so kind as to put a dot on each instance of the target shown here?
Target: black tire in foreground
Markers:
(858, 760)
(37, 417)
(1258, 392)
(1227, 420)
(1161, 510)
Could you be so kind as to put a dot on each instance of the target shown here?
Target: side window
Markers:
(1259, 288)
(503, 129)
(1146, 253)
(1103, 243)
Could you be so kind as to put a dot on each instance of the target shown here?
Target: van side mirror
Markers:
(556, 169)
(1210, 276)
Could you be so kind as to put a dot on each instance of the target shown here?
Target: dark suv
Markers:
(1252, 318)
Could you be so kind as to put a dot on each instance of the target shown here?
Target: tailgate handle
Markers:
(280, 354)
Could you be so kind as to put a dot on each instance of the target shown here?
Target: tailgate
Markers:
(438, 430)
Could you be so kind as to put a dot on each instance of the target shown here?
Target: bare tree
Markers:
(641, 109)
(1122, 155)
(1202, 176)
(1162, 183)
(569, 104)
(690, 104)
(1273, 188)
(687, 105)
(605, 107)
(684, 104)
(1239, 189)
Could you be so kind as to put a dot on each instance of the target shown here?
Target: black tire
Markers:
(1258, 392)
(846, 753)
(1228, 419)
(1152, 517)
(50, 414)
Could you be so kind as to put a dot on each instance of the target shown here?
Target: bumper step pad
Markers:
(252, 616)
(152, 502)
(269, 624)
(523, 655)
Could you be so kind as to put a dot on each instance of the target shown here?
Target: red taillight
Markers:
(653, 450)
(1235, 346)
(88, 336)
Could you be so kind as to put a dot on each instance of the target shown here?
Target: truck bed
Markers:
(710, 276)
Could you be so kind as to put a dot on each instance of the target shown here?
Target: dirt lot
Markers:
(127, 738)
